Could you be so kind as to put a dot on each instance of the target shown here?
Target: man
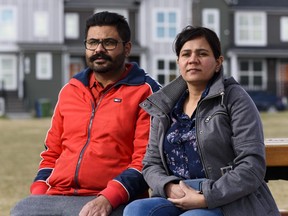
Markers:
(98, 135)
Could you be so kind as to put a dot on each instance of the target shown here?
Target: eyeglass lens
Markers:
(108, 44)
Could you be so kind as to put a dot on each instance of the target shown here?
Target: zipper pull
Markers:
(222, 98)
(208, 119)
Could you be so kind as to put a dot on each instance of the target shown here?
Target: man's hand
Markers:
(99, 206)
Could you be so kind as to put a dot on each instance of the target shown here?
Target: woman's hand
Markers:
(174, 191)
(192, 199)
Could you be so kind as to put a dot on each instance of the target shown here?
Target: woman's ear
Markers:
(219, 63)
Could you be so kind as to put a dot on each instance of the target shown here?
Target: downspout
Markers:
(21, 76)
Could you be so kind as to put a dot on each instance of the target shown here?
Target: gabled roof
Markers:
(263, 53)
(75, 4)
(279, 4)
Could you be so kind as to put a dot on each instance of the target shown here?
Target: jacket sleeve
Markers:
(49, 155)
(154, 171)
(248, 146)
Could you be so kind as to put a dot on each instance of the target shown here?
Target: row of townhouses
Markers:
(41, 42)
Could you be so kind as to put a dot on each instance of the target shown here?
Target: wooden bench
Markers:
(277, 158)
(284, 212)
(276, 152)
(277, 161)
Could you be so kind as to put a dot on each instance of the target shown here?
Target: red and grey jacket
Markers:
(94, 149)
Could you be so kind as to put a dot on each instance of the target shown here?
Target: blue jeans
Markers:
(158, 206)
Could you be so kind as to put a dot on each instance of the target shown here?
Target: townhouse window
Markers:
(8, 23)
(8, 76)
(71, 25)
(211, 20)
(253, 74)
(166, 70)
(250, 28)
(284, 29)
(165, 25)
(41, 24)
(44, 66)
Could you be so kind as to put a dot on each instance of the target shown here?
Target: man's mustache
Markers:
(100, 55)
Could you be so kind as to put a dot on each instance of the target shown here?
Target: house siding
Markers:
(25, 11)
(274, 30)
(28, 44)
(272, 52)
(160, 49)
(147, 50)
(39, 89)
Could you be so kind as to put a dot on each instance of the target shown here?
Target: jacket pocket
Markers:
(208, 118)
(266, 200)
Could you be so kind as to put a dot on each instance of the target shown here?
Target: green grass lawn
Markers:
(20, 146)
(275, 124)
(23, 140)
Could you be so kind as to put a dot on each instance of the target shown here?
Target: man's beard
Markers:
(109, 66)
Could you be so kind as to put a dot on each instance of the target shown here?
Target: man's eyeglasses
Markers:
(108, 44)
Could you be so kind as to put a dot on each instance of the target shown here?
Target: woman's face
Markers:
(197, 63)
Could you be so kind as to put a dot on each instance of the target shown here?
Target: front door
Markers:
(8, 72)
(76, 65)
(283, 79)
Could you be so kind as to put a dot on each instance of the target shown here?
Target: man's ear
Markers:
(127, 48)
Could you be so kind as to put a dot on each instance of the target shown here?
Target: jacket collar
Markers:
(166, 98)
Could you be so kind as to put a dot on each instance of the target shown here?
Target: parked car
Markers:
(266, 101)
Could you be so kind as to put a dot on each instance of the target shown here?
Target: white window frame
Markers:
(41, 24)
(9, 75)
(44, 66)
(166, 25)
(284, 29)
(8, 28)
(215, 25)
(166, 72)
(251, 30)
(251, 74)
(71, 25)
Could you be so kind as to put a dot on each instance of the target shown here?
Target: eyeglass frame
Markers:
(101, 42)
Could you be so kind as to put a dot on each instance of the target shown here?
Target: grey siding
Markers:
(37, 89)
(25, 13)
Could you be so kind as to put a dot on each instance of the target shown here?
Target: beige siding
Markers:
(25, 14)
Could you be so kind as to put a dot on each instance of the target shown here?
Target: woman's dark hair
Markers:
(190, 33)
(106, 18)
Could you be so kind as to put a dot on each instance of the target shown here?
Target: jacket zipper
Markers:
(94, 109)
(84, 148)
(211, 116)
(207, 119)
(221, 103)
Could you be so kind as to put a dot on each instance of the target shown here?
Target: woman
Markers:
(206, 133)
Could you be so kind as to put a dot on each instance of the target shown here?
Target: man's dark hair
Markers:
(106, 18)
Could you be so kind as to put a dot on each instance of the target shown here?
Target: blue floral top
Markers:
(180, 143)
